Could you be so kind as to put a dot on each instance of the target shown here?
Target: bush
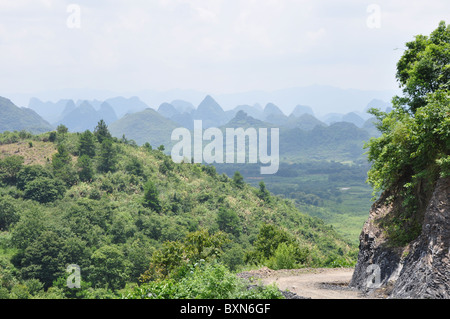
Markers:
(233, 257)
(277, 248)
(228, 221)
(85, 168)
(86, 144)
(29, 173)
(10, 167)
(151, 197)
(107, 158)
(203, 281)
(8, 213)
(44, 190)
(135, 167)
(109, 268)
(238, 180)
(288, 256)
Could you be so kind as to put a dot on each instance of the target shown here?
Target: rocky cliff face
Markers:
(419, 270)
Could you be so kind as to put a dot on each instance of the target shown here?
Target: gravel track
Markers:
(311, 283)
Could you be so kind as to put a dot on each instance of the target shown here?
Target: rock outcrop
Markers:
(419, 270)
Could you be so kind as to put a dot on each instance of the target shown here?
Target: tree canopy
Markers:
(424, 67)
(414, 148)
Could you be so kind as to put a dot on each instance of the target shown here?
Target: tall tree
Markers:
(62, 166)
(85, 169)
(61, 159)
(151, 197)
(425, 67)
(86, 144)
(108, 157)
(101, 132)
(238, 179)
(10, 167)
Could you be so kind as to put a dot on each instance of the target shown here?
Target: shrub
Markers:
(203, 281)
(277, 248)
(228, 221)
(44, 190)
(29, 173)
(238, 180)
(85, 168)
(288, 256)
(109, 268)
(151, 197)
(86, 144)
(8, 212)
(10, 167)
(107, 158)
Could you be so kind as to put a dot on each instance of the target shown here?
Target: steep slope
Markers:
(302, 109)
(107, 113)
(82, 118)
(70, 106)
(106, 224)
(49, 111)
(274, 115)
(13, 118)
(304, 122)
(168, 110)
(272, 109)
(418, 270)
(210, 112)
(183, 106)
(123, 105)
(252, 111)
(242, 119)
(146, 126)
(354, 118)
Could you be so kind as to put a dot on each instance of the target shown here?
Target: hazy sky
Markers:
(217, 46)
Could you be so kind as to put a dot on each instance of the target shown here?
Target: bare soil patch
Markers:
(313, 283)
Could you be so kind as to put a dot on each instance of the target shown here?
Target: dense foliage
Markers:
(137, 223)
(414, 149)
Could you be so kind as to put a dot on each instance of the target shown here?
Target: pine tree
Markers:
(86, 144)
(151, 197)
(86, 171)
(108, 157)
(101, 132)
(238, 180)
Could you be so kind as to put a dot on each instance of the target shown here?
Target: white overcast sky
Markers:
(217, 46)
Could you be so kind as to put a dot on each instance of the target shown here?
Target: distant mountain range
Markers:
(212, 115)
(145, 126)
(302, 135)
(137, 121)
(322, 99)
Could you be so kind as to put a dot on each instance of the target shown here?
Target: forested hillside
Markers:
(139, 225)
(14, 118)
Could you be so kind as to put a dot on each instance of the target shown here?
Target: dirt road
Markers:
(310, 283)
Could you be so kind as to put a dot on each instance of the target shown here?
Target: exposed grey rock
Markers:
(420, 270)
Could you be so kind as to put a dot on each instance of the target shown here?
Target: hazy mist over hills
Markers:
(336, 136)
(320, 101)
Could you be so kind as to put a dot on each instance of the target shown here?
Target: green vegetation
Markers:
(204, 281)
(141, 226)
(335, 192)
(146, 126)
(14, 118)
(414, 149)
